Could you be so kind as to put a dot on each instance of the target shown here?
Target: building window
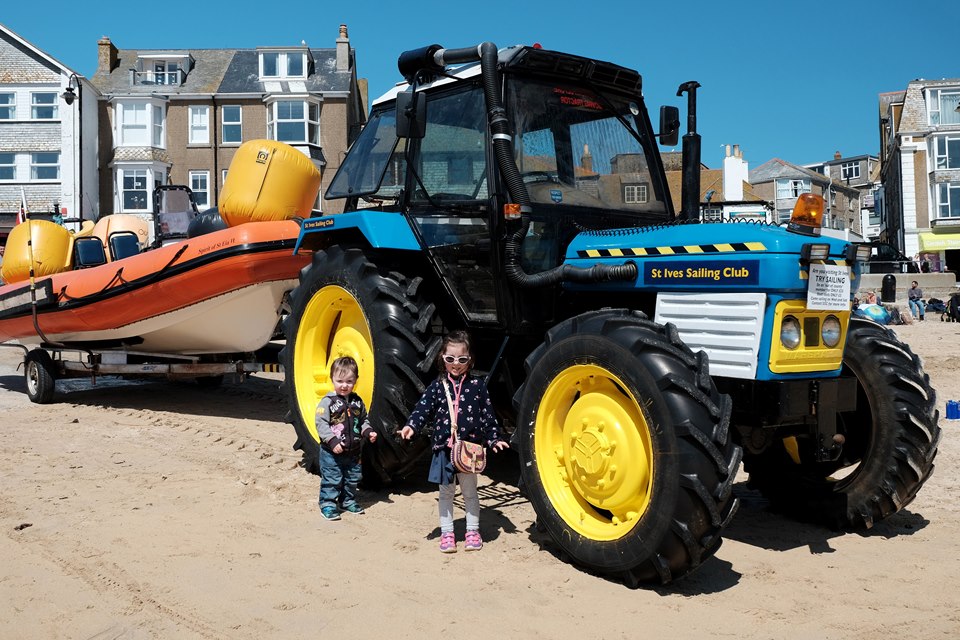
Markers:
(294, 121)
(8, 166)
(232, 125)
(792, 188)
(948, 199)
(133, 124)
(140, 124)
(634, 193)
(223, 177)
(713, 214)
(943, 105)
(43, 106)
(286, 64)
(158, 127)
(45, 165)
(8, 106)
(199, 125)
(850, 171)
(200, 185)
(133, 190)
(166, 72)
(947, 153)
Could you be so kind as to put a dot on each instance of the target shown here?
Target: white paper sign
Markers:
(828, 288)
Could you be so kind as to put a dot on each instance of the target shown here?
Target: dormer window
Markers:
(283, 64)
(163, 68)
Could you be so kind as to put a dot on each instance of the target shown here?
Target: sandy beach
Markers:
(135, 510)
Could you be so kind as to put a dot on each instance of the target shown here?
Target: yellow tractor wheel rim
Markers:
(332, 325)
(594, 453)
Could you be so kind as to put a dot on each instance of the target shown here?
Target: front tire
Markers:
(890, 441)
(624, 446)
(346, 306)
(39, 373)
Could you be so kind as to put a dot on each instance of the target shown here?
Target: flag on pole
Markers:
(22, 216)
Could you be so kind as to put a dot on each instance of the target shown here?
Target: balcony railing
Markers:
(174, 78)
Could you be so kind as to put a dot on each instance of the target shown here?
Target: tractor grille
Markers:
(727, 326)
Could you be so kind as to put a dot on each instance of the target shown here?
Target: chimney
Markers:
(106, 55)
(586, 160)
(734, 175)
(836, 155)
(728, 151)
(343, 50)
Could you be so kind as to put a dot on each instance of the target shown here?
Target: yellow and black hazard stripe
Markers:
(271, 368)
(682, 250)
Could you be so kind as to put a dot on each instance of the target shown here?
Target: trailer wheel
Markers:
(891, 440)
(39, 372)
(624, 446)
(344, 305)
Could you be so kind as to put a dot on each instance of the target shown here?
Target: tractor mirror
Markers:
(411, 115)
(669, 126)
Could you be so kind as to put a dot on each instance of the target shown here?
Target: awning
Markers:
(939, 241)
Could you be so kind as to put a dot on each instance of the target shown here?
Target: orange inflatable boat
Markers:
(217, 293)
(220, 292)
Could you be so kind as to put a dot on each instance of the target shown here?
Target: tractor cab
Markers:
(582, 145)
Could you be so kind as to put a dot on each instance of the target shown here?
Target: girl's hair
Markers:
(458, 337)
(346, 363)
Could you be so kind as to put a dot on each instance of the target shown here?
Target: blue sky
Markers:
(797, 81)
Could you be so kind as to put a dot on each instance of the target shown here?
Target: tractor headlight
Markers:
(790, 333)
(830, 331)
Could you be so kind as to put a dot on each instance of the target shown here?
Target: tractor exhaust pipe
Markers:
(690, 162)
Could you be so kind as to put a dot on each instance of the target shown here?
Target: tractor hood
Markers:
(736, 255)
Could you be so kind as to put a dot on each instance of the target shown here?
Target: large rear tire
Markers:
(39, 374)
(345, 306)
(624, 446)
(890, 441)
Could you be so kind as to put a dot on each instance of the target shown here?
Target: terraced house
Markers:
(177, 116)
(48, 134)
(920, 160)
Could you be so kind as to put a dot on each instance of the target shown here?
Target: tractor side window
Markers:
(452, 161)
(374, 166)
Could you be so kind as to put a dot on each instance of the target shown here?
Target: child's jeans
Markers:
(468, 487)
(339, 477)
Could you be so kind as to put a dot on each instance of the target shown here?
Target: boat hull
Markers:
(217, 293)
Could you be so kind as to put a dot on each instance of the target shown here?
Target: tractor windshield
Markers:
(374, 166)
(578, 148)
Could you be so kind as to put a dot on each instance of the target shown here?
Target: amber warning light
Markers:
(807, 215)
(511, 211)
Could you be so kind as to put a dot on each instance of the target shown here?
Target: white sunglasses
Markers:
(457, 359)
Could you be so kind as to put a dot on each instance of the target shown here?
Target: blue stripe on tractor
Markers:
(382, 229)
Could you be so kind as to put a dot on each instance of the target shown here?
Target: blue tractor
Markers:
(638, 354)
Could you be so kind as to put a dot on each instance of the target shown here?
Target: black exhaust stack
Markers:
(690, 197)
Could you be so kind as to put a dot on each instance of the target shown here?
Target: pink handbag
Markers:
(467, 457)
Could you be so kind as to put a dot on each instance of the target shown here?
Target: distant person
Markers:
(456, 402)
(871, 309)
(915, 300)
(342, 426)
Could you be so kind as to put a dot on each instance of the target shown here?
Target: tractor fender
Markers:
(381, 229)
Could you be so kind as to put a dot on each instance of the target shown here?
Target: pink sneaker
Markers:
(448, 544)
(473, 541)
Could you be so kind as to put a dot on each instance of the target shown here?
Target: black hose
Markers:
(503, 149)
